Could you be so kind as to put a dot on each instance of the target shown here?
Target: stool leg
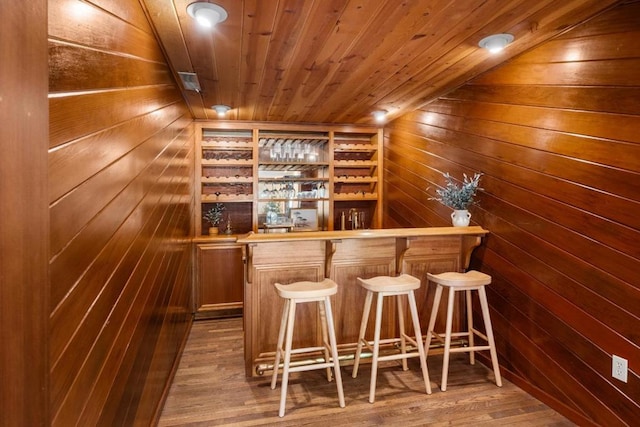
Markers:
(447, 340)
(363, 329)
(376, 348)
(487, 325)
(422, 355)
(334, 350)
(403, 341)
(283, 327)
(432, 319)
(472, 356)
(287, 357)
(325, 339)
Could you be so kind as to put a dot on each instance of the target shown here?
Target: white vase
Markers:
(460, 218)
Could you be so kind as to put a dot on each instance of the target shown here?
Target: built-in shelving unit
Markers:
(357, 171)
(280, 177)
(225, 174)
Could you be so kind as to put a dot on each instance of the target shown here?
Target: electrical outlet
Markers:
(619, 368)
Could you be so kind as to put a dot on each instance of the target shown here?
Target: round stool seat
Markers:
(402, 283)
(307, 289)
(454, 279)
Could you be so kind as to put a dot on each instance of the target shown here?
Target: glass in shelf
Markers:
(292, 147)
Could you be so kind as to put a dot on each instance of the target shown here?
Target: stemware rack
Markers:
(256, 167)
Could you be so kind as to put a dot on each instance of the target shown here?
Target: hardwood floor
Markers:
(210, 388)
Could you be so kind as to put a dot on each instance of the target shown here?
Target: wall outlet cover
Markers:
(619, 368)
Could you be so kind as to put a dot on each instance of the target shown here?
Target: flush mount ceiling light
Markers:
(207, 14)
(496, 42)
(380, 115)
(221, 110)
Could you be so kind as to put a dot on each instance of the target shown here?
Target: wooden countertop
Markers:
(360, 234)
(218, 238)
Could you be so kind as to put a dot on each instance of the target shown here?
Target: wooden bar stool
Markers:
(386, 286)
(297, 293)
(467, 282)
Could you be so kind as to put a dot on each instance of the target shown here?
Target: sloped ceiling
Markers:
(336, 61)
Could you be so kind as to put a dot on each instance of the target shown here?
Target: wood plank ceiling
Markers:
(336, 61)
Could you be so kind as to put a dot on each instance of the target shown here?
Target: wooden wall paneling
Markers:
(619, 19)
(573, 192)
(555, 133)
(123, 400)
(74, 68)
(598, 175)
(95, 309)
(611, 321)
(99, 288)
(155, 378)
(76, 161)
(106, 109)
(116, 191)
(612, 99)
(121, 157)
(561, 358)
(83, 23)
(24, 282)
(599, 150)
(623, 182)
(131, 403)
(95, 401)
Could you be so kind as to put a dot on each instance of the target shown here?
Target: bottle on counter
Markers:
(343, 222)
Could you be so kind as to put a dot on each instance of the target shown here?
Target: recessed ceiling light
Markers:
(380, 115)
(496, 42)
(207, 14)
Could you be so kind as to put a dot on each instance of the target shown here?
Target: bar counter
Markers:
(342, 256)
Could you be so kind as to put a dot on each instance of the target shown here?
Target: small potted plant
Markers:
(214, 216)
(459, 197)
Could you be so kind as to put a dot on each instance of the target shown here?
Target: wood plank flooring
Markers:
(210, 388)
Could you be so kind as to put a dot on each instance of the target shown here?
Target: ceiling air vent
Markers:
(190, 81)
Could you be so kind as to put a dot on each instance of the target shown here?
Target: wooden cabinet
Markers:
(219, 280)
(281, 177)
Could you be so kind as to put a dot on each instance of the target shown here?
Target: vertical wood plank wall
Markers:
(556, 133)
(24, 214)
(120, 186)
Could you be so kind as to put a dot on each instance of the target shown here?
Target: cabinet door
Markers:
(219, 283)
